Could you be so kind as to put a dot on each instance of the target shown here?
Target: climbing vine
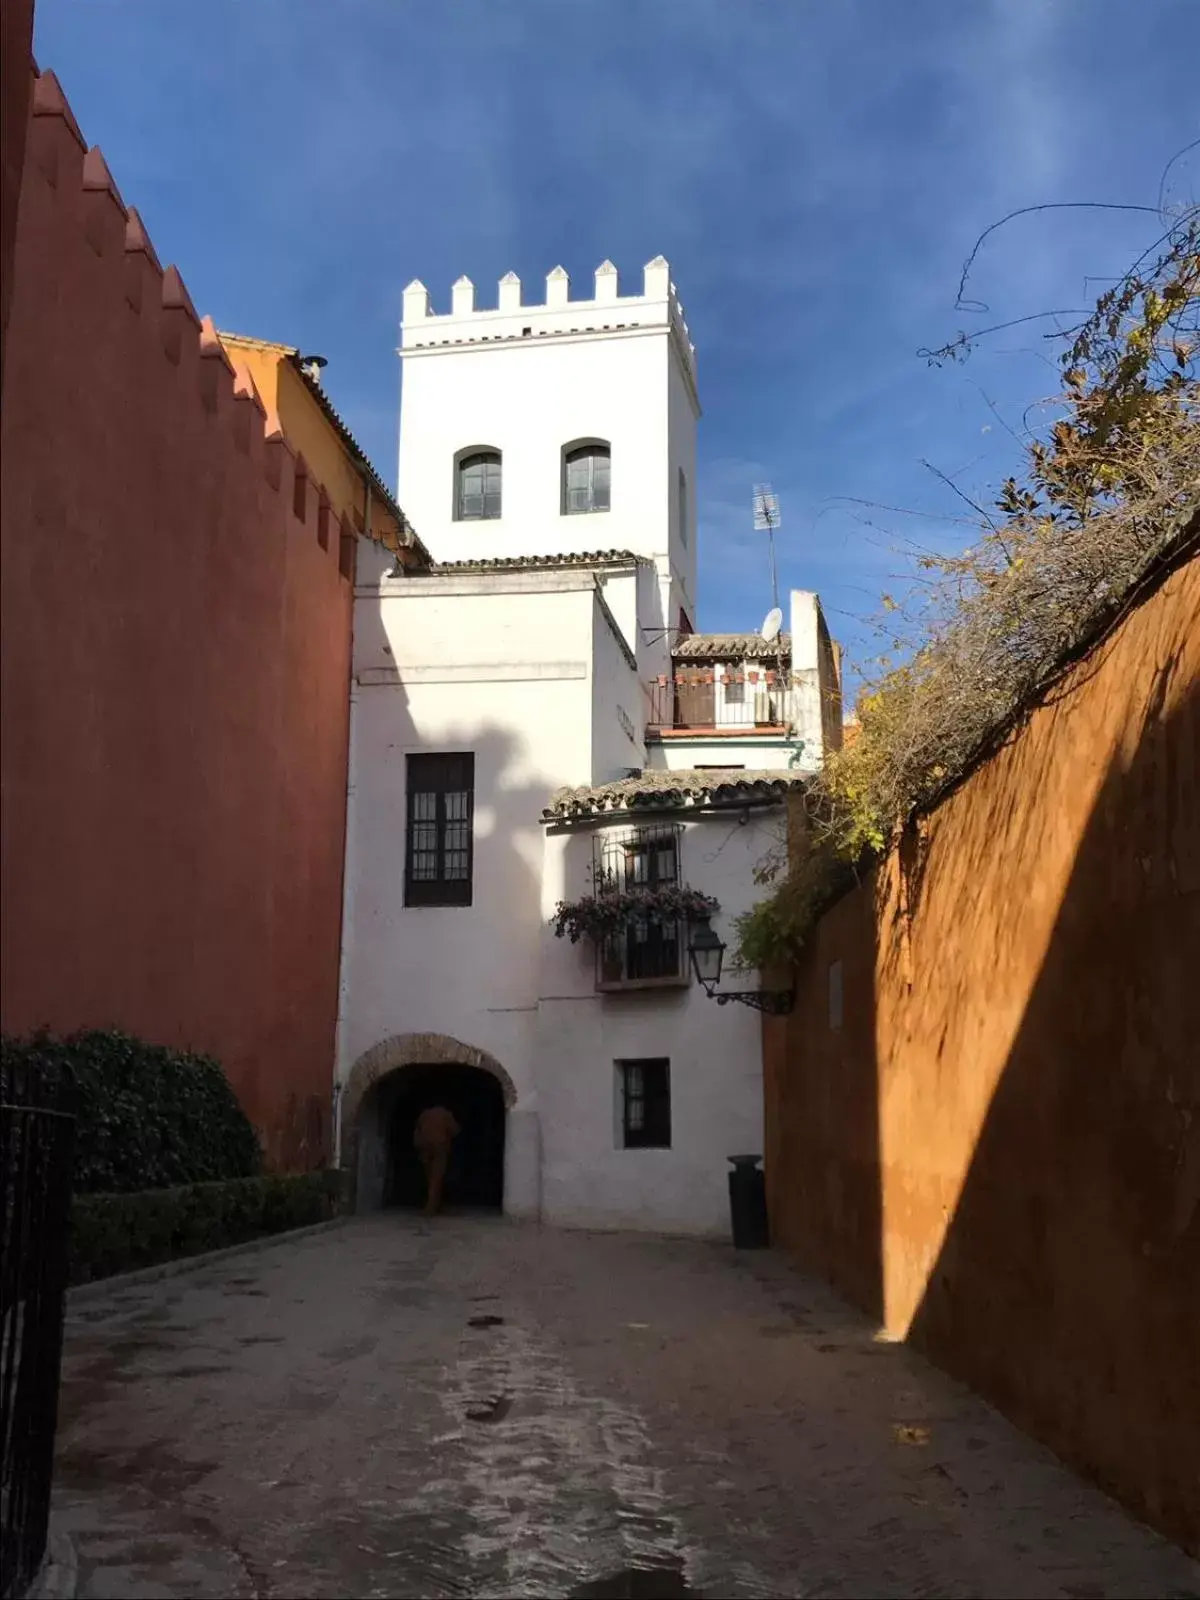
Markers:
(1110, 488)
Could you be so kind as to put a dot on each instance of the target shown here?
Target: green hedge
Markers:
(146, 1117)
(119, 1232)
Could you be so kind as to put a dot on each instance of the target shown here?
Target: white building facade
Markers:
(521, 722)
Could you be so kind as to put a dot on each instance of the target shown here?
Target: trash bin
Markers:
(748, 1203)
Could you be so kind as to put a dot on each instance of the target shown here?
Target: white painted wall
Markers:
(816, 676)
(588, 1179)
(764, 752)
(681, 426)
(540, 672)
(525, 670)
(618, 721)
(501, 666)
(616, 369)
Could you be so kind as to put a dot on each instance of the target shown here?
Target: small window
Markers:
(681, 493)
(587, 473)
(477, 487)
(735, 689)
(645, 1088)
(438, 854)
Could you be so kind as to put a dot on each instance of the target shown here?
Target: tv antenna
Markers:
(766, 520)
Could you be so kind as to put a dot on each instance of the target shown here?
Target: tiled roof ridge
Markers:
(584, 558)
(712, 646)
(683, 789)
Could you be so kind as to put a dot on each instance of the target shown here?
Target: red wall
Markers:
(175, 671)
(16, 47)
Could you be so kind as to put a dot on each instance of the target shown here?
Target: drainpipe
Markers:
(348, 866)
(341, 1061)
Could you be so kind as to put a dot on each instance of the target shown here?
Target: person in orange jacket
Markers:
(435, 1132)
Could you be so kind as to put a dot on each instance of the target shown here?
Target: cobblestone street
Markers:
(472, 1408)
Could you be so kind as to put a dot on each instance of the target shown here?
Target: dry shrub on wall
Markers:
(1110, 492)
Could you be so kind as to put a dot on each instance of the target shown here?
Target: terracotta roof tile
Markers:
(731, 647)
(675, 790)
(585, 558)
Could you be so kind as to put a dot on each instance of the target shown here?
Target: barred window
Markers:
(441, 797)
(645, 1088)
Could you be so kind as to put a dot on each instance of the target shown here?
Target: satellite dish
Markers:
(772, 623)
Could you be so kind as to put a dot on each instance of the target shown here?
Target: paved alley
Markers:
(472, 1408)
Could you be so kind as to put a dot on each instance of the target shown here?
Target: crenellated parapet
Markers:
(151, 307)
(557, 316)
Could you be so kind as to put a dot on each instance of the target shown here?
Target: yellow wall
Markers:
(310, 433)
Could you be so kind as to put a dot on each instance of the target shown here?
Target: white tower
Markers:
(554, 429)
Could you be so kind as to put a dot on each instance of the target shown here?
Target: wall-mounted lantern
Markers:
(707, 951)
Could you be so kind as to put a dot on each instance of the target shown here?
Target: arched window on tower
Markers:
(586, 477)
(477, 480)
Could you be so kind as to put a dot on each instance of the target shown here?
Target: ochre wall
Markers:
(290, 403)
(999, 1151)
(175, 671)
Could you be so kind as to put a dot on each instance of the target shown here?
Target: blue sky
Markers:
(815, 173)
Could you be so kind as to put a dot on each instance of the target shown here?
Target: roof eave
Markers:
(407, 534)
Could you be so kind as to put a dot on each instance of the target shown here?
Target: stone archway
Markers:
(404, 1050)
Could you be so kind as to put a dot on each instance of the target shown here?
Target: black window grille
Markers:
(587, 478)
(477, 490)
(646, 1104)
(439, 852)
(648, 946)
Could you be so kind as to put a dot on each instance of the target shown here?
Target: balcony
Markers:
(644, 955)
(701, 700)
(646, 952)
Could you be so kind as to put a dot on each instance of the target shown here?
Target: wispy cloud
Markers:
(816, 175)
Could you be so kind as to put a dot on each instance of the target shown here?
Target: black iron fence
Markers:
(37, 1134)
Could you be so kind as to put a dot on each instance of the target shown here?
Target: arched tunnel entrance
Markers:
(385, 1091)
(390, 1165)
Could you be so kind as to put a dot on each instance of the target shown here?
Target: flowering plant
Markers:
(598, 916)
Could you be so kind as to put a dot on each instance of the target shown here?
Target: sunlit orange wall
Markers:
(998, 1152)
